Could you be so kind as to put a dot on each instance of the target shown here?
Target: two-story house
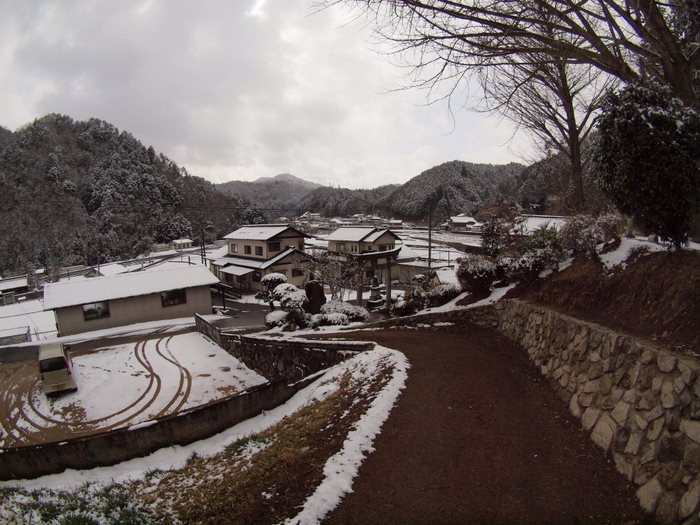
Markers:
(360, 240)
(254, 251)
(374, 247)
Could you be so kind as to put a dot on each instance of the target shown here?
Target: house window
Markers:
(92, 311)
(257, 276)
(385, 247)
(173, 297)
(297, 272)
(258, 251)
(274, 246)
(353, 248)
(234, 248)
(369, 248)
(247, 249)
(340, 247)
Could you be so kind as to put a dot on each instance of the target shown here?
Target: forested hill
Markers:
(278, 195)
(452, 188)
(75, 192)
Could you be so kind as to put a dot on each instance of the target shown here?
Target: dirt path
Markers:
(479, 437)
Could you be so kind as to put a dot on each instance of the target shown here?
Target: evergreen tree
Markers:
(648, 158)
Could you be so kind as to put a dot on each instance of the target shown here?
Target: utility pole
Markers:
(430, 237)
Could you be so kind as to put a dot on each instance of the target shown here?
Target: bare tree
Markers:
(554, 100)
(444, 39)
(341, 272)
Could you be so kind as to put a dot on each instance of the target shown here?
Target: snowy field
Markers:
(119, 386)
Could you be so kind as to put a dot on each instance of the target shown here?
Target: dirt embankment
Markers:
(656, 296)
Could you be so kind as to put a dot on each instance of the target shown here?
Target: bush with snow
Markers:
(581, 234)
(475, 273)
(289, 296)
(269, 282)
(414, 299)
(276, 318)
(525, 268)
(441, 294)
(330, 319)
(353, 313)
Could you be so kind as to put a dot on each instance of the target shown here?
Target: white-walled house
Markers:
(254, 251)
(105, 302)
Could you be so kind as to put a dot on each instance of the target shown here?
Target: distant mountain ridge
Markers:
(450, 188)
(278, 195)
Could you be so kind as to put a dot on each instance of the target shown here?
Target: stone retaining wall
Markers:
(639, 402)
(277, 358)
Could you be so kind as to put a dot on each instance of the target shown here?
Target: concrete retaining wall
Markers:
(119, 445)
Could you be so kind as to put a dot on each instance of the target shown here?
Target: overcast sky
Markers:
(236, 89)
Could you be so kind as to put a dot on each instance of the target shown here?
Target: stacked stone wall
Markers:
(282, 358)
(639, 401)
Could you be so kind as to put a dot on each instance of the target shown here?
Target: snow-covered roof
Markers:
(254, 264)
(260, 232)
(182, 241)
(350, 233)
(376, 235)
(12, 283)
(70, 293)
(236, 270)
(111, 269)
(533, 222)
(463, 219)
(358, 233)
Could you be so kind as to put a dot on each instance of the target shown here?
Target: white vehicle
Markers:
(56, 369)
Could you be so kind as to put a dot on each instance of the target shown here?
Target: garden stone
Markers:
(666, 508)
(649, 494)
(620, 412)
(668, 395)
(666, 363)
(690, 500)
(691, 429)
(314, 292)
(604, 432)
(590, 417)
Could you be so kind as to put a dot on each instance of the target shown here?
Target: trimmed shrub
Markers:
(441, 294)
(581, 234)
(475, 274)
(331, 319)
(413, 299)
(353, 313)
(276, 318)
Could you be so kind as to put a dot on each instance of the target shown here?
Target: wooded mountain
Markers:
(79, 192)
(277, 196)
(452, 188)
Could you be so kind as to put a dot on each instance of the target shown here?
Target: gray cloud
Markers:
(233, 90)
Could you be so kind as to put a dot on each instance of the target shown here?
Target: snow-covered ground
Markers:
(339, 471)
(119, 386)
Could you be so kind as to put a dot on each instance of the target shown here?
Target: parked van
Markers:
(56, 369)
